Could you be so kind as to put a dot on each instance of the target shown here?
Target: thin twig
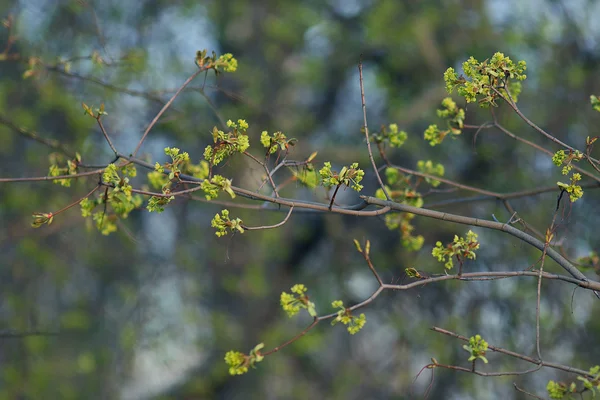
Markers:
(51, 178)
(366, 128)
(270, 226)
(540, 363)
(165, 107)
(485, 224)
(112, 147)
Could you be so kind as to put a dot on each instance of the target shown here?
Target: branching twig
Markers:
(366, 128)
(165, 107)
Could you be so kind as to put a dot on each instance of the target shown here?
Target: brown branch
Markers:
(486, 224)
(509, 100)
(112, 147)
(292, 340)
(51, 178)
(366, 128)
(561, 367)
(52, 143)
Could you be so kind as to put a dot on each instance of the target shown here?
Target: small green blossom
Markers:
(105, 223)
(353, 323)
(390, 134)
(460, 248)
(595, 102)
(276, 141)
(227, 62)
(211, 188)
(226, 144)
(477, 348)
(71, 168)
(575, 191)
(157, 179)
(350, 177)
(223, 224)
(239, 362)
(561, 158)
(293, 303)
(428, 167)
(481, 77)
(157, 203)
(433, 135)
(129, 170)
(558, 390)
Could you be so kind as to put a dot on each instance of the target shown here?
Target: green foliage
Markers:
(94, 113)
(402, 190)
(157, 203)
(239, 362)
(590, 261)
(485, 77)
(120, 198)
(226, 62)
(211, 187)
(575, 191)
(595, 102)
(391, 135)
(476, 348)
(40, 219)
(353, 323)
(591, 384)
(558, 390)
(226, 144)
(306, 175)
(348, 176)
(562, 158)
(276, 141)
(454, 117)
(460, 248)
(224, 224)
(71, 167)
(428, 167)
(293, 302)
(105, 223)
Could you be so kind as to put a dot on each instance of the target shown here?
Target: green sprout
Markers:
(212, 187)
(595, 102)
(226, 144)
(348, 176)
(226, 62)
(223, 223)
(460, 248)
(558, 390)
(71, 168)
(476, 348)
(454, 117)
(276, 141)
(297, 300)
(157, 203)
(40, 219)
(390, 134)
(239, 362)
(575, 191)
(561, 158)
(428, 167)
(353, 323)
(486, 78)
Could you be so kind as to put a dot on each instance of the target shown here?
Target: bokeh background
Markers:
(149, 312)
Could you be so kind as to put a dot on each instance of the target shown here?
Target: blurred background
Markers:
(150, 311)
